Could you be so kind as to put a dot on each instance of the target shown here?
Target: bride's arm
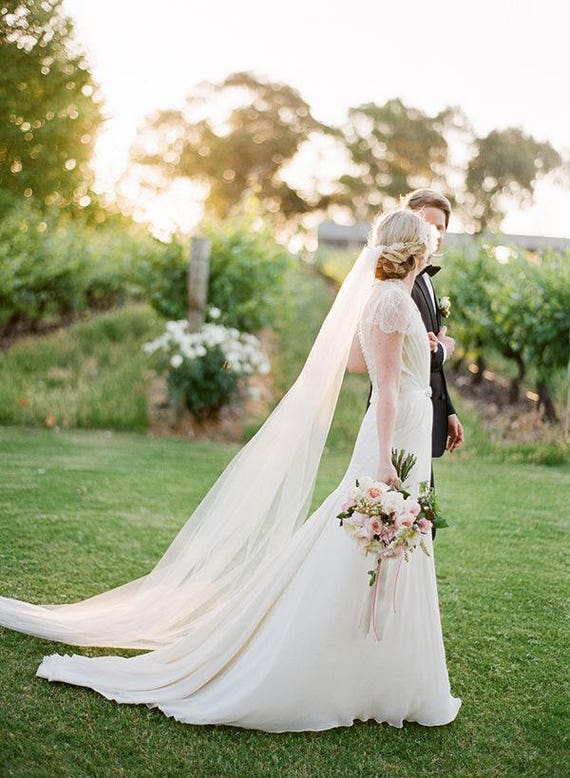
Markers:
(356, 363)
(388, 348)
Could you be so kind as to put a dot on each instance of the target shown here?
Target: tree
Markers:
(49, 114)
(236, 153)
(506, 165)
(393, 148)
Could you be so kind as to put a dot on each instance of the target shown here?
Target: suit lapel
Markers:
(428, 304)
(437, 313)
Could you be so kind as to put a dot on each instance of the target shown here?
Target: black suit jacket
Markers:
(442, 405)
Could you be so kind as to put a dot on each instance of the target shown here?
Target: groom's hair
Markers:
(428, 198)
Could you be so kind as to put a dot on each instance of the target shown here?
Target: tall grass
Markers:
(92, 374)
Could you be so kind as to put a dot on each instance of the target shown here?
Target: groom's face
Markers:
(436, 217)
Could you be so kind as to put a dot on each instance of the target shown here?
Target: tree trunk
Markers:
(515, 387)
(545, 402)
(481, 364)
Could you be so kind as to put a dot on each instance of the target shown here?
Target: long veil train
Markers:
(226, 548)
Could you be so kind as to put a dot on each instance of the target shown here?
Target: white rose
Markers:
(393, 502)
(176, 360)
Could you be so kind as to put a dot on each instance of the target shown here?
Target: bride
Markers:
(253, 616)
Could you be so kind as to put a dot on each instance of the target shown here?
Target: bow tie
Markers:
(431, 270)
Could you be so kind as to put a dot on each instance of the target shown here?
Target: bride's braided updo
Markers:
(405, 240)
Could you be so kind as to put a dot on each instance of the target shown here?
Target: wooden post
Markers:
(197, 296)
(198, 276)
(567, 416)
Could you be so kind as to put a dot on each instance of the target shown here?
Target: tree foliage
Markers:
(238, 137)
(506, 166)
(393, 148)
(236, 152)
(519, 308)
(49, 115)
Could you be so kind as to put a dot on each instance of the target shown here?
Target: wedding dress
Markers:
(271, 636)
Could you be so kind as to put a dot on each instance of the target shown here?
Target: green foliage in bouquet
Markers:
(403, 463)
(427, 497)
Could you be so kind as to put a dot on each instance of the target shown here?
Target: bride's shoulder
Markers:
(389, 307)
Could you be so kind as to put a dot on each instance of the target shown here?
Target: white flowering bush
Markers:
(205, 369)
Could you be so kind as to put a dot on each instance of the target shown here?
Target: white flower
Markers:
(214, 313)
(264, 367)
(393, 502)
(444, 306)
(364, 483)
(242, 351)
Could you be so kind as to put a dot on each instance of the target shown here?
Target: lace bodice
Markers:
(390, 308)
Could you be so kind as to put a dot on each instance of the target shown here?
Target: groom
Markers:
(447, 431)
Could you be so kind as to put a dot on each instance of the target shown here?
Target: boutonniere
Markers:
(444, 305)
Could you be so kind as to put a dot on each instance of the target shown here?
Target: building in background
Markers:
(353, 237)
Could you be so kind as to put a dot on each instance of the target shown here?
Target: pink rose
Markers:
(387, 534)
(404, 520)
(359, 519)
(375, 493)
(424, 525)
(413, 507)
(363, 534)
(376, 526)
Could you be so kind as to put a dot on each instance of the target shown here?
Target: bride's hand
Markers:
(387, 474)
(433, 341)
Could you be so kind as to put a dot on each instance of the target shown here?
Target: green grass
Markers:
(309, 298)
(92, 374)
(83, 511)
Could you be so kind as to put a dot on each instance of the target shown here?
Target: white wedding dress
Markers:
(291, 653)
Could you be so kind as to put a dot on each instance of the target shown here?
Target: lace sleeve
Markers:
(393, 312)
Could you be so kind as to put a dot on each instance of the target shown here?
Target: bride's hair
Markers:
(404, 238)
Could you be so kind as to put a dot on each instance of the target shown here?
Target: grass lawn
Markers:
(83, 511)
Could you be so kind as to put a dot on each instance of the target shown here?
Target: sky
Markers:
(504, 62)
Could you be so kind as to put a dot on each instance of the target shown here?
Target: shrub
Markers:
(52, 268)
(519, 308)
(247, 271)
(205, 369)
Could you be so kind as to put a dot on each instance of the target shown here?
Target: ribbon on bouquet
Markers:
(370, 620)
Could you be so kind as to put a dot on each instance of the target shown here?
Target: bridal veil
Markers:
(255, 507)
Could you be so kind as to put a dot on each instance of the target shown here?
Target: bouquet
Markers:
(387, 522)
